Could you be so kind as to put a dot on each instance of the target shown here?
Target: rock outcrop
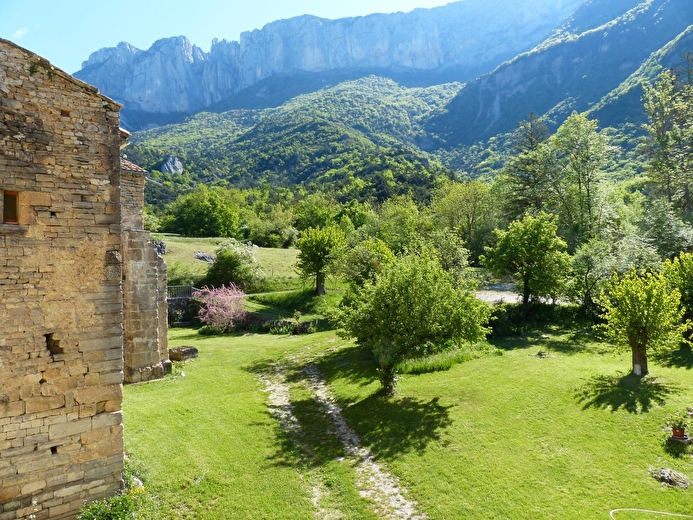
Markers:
(171, 164)
(464, 38)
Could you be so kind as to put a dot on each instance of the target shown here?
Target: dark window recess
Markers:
(9, 207)
(53, 345)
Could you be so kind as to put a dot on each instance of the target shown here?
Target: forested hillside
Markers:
(589, 58)
(357, 140)
(371, 138)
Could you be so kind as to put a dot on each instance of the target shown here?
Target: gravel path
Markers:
(372, 479)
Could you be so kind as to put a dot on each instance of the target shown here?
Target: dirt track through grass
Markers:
(373, 480)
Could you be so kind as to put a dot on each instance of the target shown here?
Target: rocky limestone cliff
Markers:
(470, 37)
(572, 71)
(171, 164)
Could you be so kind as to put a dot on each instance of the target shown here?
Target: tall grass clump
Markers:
(445, 360)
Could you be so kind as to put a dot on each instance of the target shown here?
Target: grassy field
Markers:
(183, 267)
(565, 434)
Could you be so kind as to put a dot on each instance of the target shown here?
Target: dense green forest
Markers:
(617, 198)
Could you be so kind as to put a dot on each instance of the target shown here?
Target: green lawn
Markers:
(277, 264)
(501, 436)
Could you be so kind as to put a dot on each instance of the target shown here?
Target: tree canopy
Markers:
(533, 254)
(317, 247)
(412, 309)
(643, 313)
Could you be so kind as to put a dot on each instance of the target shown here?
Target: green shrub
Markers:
(235, 263)
(118, 507)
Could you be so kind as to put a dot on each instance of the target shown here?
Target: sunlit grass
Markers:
(446, 359)
(553, 428)
(276, 264)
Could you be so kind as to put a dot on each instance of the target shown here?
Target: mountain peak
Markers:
(458, 42)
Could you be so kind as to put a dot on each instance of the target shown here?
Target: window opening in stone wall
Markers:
(53, 345)
(9, 207)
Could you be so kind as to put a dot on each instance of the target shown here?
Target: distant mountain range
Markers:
(291, 102)
(426, 46)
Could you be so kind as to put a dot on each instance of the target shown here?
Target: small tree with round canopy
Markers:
(642, 313)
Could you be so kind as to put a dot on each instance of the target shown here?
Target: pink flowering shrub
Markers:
(221, 307)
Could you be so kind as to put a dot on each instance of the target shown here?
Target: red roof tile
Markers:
(129, 166)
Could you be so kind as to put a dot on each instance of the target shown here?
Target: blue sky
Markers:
(66, 32)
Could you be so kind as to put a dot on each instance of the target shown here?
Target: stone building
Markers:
(74, 274)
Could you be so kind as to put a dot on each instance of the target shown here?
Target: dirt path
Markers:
(499, 293)
(373, 480)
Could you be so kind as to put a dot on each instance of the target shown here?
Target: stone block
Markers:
(32, 487)
(8, 492)
(182, 353)
(57, 431)
(104, 420)
(40, 404)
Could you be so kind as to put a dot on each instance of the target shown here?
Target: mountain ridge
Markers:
(463, 39)
(567, 72)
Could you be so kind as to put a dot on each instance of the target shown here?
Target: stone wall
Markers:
(61, 300)
(144, 290)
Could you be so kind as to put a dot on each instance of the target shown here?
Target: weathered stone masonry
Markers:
(144, 287)
(62, 291)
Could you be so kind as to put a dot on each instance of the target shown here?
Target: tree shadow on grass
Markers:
(675, 449)
(389, 426)
(630, 392)
(392, 427)
(355, 364)
(572, 344)
(680, 358)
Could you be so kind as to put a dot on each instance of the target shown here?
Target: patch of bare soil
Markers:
(499, 293)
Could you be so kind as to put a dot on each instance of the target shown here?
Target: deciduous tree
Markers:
(679, 274)
(317, 247)
(530, 171)
(206, 212)
(582, 154)
(363, 262)
(467, 208)
(413, 309)
(642, 313)
(531, 252)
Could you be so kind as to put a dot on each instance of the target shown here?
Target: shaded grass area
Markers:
(563, 435)
(625, 391)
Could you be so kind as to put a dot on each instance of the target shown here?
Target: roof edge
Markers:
(62, 73)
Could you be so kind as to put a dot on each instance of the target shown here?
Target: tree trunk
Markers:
(640, 361)
(320, 284)
(388, 378)
(525, 293)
